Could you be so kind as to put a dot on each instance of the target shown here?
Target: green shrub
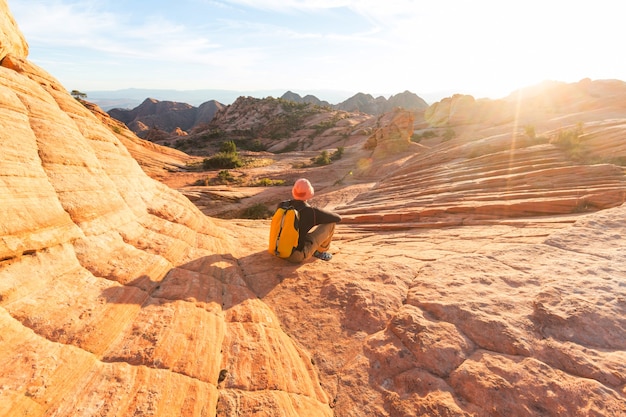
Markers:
(325, 159)
(321, 127)
(222, 160)
(225, 176)
(569, 141)
(337, 154)
(212, 134)
(266, 182)
(201, 182)
(322, 159)
(228, 147)
(448, 135)
(78, 95)
(428, 134)
(417, 137)
(255, 145)
(257, 211)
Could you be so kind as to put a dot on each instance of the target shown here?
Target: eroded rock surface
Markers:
(117, 296)
(471, 277)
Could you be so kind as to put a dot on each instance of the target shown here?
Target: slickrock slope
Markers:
(473, 276)
(280, 125)
(508, 320)
(504, 166)
(154, 159)
(118, 297)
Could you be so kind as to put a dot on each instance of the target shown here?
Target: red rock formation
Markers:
(118, 297)
(178, 132)
(154, 159)
(394, 134)
(281, 125)
(474, 180)
(464, 109)
(166, 116)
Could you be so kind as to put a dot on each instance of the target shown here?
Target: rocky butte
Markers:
(479, 272)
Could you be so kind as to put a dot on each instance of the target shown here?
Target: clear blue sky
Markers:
(487, 48)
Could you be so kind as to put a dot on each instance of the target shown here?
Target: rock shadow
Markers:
(210, 281)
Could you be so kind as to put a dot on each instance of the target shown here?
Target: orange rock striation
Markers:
(486, 172)
(118, 297)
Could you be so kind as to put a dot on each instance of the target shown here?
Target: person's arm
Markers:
(324, 216)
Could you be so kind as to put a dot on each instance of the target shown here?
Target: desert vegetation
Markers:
(78, 95)
(228, 157)
(256, 211)
(266, 182)
(570, 141)
(427, 134)
(324, 158)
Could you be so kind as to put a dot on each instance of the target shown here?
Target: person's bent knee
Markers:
(296, 257)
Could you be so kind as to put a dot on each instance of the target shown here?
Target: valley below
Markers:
(479, 268)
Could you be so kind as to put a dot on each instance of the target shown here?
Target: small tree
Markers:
(529, 130)
(226, 158)
(222, 160)
(229, 147)
(337, 154)
(78, 95)
(224, 177)
(449, 134)
(322, 159)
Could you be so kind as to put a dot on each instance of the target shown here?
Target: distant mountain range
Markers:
(172, 116)
(365, 103)
(165, 115)
(132, 97)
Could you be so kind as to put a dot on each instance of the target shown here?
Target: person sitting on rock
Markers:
(316, 242)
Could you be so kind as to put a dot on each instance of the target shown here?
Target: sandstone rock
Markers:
(165, 116)
(475, 180)
(91, 249)
(279, 125)
(154, 159)
(529, 387)
(437, 347)
(464, 109)
(366, 103)
(475, 277)
(394, 135)
(178, 132)
(11, 39)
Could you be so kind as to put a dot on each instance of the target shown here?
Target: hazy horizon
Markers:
(199, 96)
(486, 48)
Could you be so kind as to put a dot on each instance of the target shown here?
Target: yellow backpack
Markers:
(284, 230)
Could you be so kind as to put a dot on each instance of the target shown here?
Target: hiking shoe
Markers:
(324, 256)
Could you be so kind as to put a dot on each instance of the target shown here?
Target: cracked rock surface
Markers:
(463, 283)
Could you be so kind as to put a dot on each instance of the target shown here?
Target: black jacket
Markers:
(310, 217)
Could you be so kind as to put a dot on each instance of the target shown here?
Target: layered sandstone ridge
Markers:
(503, 160)
(117, 296)
(479, 276)
(11, 39)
